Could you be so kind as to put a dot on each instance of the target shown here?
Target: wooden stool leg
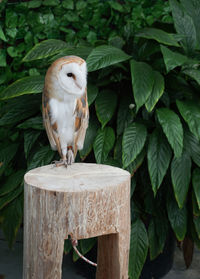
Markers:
(112, 258)
(43, 240)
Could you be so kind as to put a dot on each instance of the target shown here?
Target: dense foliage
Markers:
(143, 91)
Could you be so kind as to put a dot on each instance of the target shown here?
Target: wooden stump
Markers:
(83, 201)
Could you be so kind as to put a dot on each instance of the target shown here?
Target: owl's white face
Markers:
(72, 78)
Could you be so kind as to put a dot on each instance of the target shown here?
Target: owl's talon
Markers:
(60, 163)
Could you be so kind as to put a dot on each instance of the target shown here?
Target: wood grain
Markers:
(83, 200)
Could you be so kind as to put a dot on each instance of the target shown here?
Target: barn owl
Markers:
(65, 106)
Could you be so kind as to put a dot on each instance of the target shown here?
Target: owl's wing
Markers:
(51, 130)
(81, 121)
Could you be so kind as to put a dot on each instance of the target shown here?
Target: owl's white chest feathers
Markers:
(63, 114)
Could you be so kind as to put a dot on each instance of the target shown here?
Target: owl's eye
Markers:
(69, 74)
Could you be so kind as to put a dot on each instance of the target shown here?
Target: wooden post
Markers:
(83, 201)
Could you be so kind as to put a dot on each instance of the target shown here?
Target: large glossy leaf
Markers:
(196, 221)
(157, 231)
(12, 218)
(104, 142)
(134, 138)
(181, 173)
(195, 207)
(193, 9)
(45, 49)
(196, 184)
(27, 85)
(138, 249)
(142, 81)
(81, 51)
(157, 91)
(172, 128)
(191, 114)
(124, 115)
(41, 157)
(104, 56)
(7, 153)
(184, 25)
(7, 198)
(30, 138)
(172, 59)
(89, 138)
(177, 218)
(158, 155)
(2, 36)
(158, 35)
(34, 123)
(132, 168)
(19, 109)
(194, 74)
(105, 104)
(12, 182)
(92, 92)
(192, 145)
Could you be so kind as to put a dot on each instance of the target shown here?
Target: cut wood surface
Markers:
(83, 201)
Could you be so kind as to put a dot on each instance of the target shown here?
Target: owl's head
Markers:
(69, 73)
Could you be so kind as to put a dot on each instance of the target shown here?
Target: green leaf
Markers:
(105, 104)
(17, 110)
(2, 36)
(34, 123)
(42, 157)
(87, 244)
(196, 221)
(172, 59)
(157, 232)
(193, 9)
(132, 168)
(196, 184)
(133, 141)
(67, 246)
(177, 218)
(195, 208)
(194, 74)
(159, 35)
(50, 3)
(80, 51)
(7, 153)
(12, 218)
(192, 146)
(116, 6)
(92, 92)
(157, 91)
(89, 138)
(30, 138)
(191, 114)
(104, 56)
(184, 25)
(45, 49)
(2, 58)
(34, 4)
(104, 142)
(6, 199)
(181, 173)
(142, 87)
(172, 128)
(12, 182)
(27, 85)
(159, 156)
(12, 51)
(124, 115)
(138, 249)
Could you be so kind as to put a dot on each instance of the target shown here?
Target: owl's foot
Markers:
(62, 162)
(70, 157)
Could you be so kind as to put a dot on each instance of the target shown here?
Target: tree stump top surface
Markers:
(76, 178)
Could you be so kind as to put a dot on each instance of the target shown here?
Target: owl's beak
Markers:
(78, 85)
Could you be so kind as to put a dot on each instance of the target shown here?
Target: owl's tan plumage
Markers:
(65, 106)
